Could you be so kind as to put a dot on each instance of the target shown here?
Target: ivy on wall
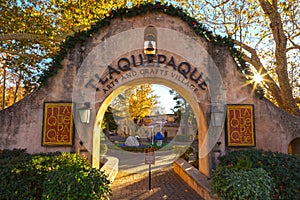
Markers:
(199, 29)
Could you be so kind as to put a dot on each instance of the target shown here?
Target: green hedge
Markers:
(241, 184)
(70, 184)
(26, 176)
(282, 168)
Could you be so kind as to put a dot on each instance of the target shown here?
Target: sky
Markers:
(165, 99)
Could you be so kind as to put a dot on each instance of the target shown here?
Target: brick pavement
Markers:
(165, 185)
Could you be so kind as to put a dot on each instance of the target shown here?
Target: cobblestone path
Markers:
(166, 184)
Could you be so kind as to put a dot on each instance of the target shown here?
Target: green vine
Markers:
(125, 12)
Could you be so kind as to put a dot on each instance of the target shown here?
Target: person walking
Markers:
(166, 136)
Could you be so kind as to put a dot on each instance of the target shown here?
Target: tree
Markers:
(180, 106)
(183, 112)
(24, 45)
(266, 31)
(109, 122)
(135, 103)
(30, 35)
(141, 101)
(268, 34)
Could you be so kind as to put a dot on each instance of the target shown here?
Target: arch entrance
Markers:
(294, 147)
(165, 155)
(102, 62)
(116, 64)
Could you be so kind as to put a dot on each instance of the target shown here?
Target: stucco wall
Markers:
(21, 124)
(274, 128)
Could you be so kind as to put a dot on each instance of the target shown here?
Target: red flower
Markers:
(158, 5)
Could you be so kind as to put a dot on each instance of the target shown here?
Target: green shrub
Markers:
(22, 175)
(187, 154)
(234, 184)
(242, 163)
(17, 180)
(69, 184)
(284, 170)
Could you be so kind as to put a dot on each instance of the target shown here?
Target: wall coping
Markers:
(194, 178)
(110, 167)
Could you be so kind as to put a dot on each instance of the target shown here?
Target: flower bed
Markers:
(139, 148)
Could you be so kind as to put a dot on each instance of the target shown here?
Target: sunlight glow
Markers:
(257, 78)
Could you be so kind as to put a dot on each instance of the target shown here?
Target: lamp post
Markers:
(149, 47)
(217, 114)
(85, 113)
(150, 41)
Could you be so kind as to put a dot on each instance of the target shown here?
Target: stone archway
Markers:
(85, 68)
(117, 63)
(294, 147)
(200, 118)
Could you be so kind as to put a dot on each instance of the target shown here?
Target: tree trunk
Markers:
(17, 89)
(4, 87)
(271, 11)
(254, 60)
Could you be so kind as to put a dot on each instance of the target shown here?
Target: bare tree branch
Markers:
(22, 36)
(218, 5)
(293, 47)
(256, 63)
(280, 38)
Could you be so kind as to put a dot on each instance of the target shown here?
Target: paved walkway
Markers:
(166, 184)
